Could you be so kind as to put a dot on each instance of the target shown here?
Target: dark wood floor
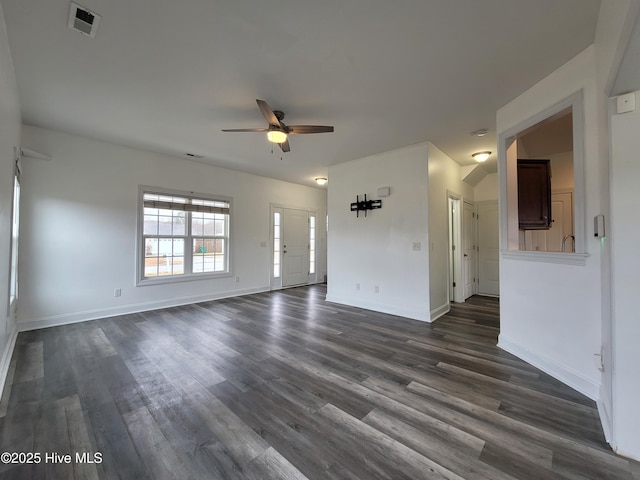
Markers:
(284, 385)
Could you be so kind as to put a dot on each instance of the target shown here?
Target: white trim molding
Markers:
(565, 374)
(76, 317)
(412, 313)
(506, 170)
(442, 310)
(5, 361)
(579, 259)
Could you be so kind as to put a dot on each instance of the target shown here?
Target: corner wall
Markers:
(623, 238)
(551, 312)
(378, 250)
(79, 218)
(9, 139)
(487, 189)
(444, 178)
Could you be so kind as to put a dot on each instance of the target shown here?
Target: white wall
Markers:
(551, 313)
(616, 21)
(9, 139)
(79, 237)
(561, 171)
(623, 236)
(487, 188)
(378, 250)
(444, 178)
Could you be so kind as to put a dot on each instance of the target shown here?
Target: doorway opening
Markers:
(456, 291)
(468, 245)
(463, 262)
(555, 136)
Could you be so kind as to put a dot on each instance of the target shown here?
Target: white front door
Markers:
(488, 249)
(295, 247)
(468, 250)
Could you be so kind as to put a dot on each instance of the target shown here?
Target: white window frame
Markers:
(15, 235)
(312, 243)
(509, 244)
(188, 274)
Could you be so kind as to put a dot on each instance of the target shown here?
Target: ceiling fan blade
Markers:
(245, 130)
(285, 146)
(299, 129)
(267, 112)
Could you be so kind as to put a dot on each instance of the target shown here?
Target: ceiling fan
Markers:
(278, 132)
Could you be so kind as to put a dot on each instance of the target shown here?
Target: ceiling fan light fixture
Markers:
(276, 136)
(321, 180)
(481, 156)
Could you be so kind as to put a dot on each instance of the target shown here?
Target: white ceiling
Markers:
(168, 75)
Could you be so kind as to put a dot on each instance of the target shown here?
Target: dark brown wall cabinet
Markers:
(534, 194)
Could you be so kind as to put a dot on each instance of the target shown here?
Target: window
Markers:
(276, 244)
(15, 230)
(183, 236)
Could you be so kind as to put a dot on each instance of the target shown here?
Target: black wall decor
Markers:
(364, 205)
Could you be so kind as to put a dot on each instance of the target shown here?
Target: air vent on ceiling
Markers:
(83, 20)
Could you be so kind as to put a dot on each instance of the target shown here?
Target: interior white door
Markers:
(455, 253)
(469, 252)
(295, 247)
(488, 249)
(562, 214)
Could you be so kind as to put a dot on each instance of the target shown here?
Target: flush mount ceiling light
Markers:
(479, 133)
(321, 180)
(481, 156)
(276, 136)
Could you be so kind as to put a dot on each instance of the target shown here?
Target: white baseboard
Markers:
(605, 420)
(412, 313)
(5, 361)
(566, 375)
(76, 317)
(440, 311)
(623, 453)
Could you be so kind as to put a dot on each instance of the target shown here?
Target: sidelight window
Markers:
(15, 229)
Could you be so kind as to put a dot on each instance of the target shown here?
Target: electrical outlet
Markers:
(376, 289)
(237, 279)
(357, 286)
(417, 246)
(117, 292)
